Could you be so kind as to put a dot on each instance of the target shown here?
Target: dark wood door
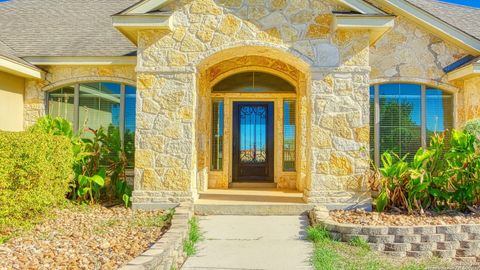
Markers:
(253, 141)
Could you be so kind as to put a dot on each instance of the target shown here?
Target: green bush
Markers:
(35, 173)
(443, 176)
(473, 127)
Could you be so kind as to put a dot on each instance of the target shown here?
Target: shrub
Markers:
(441, 176)
(473, 127)
(99, 160)
(35, 174)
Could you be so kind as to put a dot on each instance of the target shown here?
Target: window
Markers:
(254, 82)
(217, 135)
(98, 104)
(408, 114)
(289, 129)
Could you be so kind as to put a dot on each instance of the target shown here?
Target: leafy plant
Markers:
(89, 186)
(99, 160)
(441, 176)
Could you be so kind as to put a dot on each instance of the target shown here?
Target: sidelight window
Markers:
(217, 135)
(289, 130)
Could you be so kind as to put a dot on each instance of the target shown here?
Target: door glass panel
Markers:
(253, 134)
(217, 135)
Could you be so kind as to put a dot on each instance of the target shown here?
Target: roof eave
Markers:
(435, 25)
(22, 70)
(130, 25)
(145, 6)
(375, 24)
(81, 60)
(362, 7)
(466, 72)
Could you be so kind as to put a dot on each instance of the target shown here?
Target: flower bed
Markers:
(458, 241)
(92, 237)
(362, 217)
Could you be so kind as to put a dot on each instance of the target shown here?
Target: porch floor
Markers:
(251, 201)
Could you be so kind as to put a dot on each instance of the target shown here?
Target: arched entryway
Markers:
(251, 122)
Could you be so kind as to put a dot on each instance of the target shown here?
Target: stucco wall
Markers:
(11, 102)
(334, 111)
(57, 76)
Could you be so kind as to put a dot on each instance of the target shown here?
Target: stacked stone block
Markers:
(459, 242)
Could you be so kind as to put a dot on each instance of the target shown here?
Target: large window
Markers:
(404, 116)
(98, 104)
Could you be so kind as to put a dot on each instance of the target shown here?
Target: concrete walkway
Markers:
(252, 242)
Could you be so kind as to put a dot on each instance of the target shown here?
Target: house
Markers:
(294, 94)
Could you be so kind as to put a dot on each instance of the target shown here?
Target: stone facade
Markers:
(292, 39)
(333, 96)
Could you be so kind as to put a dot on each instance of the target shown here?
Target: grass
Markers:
(194, 235)
(332, 255)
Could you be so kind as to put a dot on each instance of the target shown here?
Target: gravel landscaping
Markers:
(362, 217)
(92, 237)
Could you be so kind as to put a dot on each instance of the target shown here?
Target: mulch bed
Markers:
(399, 218)
(92, 237)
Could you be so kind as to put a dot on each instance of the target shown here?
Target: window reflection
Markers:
(439, 113)
(400, 118)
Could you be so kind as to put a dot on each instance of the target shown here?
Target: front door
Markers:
(253, 141)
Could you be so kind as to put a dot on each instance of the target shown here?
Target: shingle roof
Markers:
(84, 28)
(466, 19)
(63, 27)
(7, 52)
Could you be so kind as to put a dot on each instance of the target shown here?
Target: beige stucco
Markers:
(11, 102)
(469, 100)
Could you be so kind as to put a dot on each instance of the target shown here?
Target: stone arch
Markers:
(219, 64)
(261, 49)
(83, 79)
(428, 82)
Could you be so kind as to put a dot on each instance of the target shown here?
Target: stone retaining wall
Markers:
(459, 242)
(167, 253)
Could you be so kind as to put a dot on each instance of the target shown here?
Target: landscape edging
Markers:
(456, 241)
(167, 253)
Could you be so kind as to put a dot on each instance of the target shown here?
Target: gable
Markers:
(146, 6)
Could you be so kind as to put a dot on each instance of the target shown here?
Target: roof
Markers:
(464, 18)
(84, 27)
(8, 52)
(63, 27)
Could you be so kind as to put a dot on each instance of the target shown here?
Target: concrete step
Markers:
(251, 201)
(251, 209)
(252, 185)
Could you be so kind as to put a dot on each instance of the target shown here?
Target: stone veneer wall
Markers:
(461, 242)
(336, 105)
(469, 100)
(57, 76)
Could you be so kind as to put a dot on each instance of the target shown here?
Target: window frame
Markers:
(423, 114)
(76, 103)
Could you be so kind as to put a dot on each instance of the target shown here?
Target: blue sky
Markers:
(473, 3)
